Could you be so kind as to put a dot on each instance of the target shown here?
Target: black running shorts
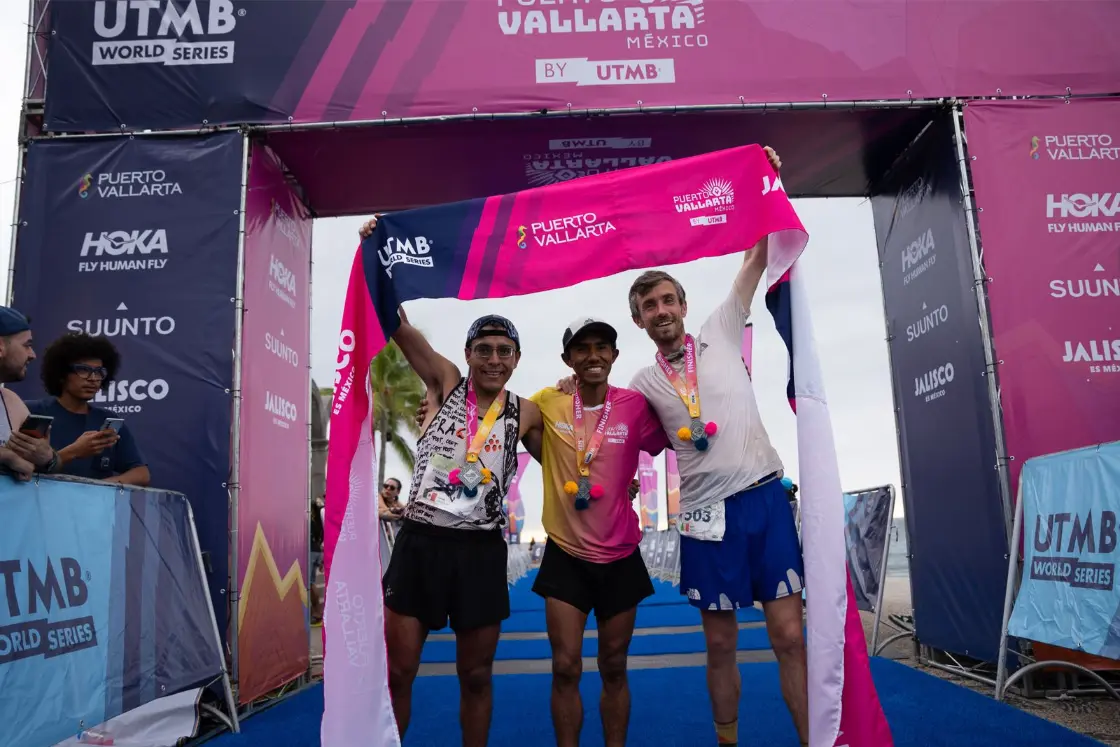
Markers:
(607, 588)
(437, 573)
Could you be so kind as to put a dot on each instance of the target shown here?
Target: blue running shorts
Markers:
(758, 560)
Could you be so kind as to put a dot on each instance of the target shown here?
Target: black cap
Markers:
(12, 322)
(504, 327)
(588, 324)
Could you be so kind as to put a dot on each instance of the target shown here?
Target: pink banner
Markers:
(647, 490)
(1048, 195)
(672, 488)
(515, 508)
(710, 205)
(275, 387)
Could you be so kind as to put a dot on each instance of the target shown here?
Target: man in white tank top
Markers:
(449, 558)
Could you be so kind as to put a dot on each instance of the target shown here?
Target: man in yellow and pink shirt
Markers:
(589, 455)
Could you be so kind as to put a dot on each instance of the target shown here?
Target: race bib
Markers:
(706, 524)
(439, 492)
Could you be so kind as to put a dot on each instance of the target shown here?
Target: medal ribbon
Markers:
(688, 389)
(586, 452)
(476, 434)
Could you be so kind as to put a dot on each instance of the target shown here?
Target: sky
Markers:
(840, 264)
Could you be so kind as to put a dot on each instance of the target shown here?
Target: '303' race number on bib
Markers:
(707, 524)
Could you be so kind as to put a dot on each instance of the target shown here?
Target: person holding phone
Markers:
(91, 441)
(24, 449)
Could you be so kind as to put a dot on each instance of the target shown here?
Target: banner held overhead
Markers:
(136, 239)
(954, 513)
(116, 65)
(274, 461)
(1050, 248)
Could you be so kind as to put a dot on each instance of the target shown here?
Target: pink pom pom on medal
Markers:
(711, 428)
(453, 477)
(596, 491)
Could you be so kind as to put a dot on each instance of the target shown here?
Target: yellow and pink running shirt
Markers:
(608, 530)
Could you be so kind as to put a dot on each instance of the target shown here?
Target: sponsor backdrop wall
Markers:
(188, 63)
(105, 607)
(1051, 249)
(954, 515)
(136, 239)
(515, 508)
(275, 379)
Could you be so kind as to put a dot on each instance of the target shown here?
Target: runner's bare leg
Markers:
(404, 640)
(565, 633)
(474, 661)
(614, 703)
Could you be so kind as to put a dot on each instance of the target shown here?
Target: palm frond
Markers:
(404, 452)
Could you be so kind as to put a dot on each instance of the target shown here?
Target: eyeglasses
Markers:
(89, 372)
(484, 352)
(390, 486)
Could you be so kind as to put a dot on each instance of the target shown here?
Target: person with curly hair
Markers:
(75, 368)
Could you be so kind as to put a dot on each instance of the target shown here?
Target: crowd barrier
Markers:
(105, 607)
(1064, 593)
(517, 563)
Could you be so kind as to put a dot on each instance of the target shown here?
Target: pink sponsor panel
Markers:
(275, 385)
(672, 488)
(1047, 178)
(344, 60)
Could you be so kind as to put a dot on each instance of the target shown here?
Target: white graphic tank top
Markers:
(443, 447)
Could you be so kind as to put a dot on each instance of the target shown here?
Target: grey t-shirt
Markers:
(740, 453)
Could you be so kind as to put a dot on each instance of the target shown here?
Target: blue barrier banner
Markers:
(102, 606)
(1071, 541)
(950, 486)
(136, 239)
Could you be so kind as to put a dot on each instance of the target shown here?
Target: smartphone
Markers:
(113, 424)
(38, 426)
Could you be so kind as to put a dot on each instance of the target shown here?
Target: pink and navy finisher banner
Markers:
(716, 204)
(120, 64)
(1047, 176)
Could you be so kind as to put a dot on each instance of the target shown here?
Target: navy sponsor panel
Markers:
(948, 457)
(136, 239)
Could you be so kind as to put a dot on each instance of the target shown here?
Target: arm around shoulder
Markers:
(532, 427)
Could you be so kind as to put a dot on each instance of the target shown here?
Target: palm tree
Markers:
(397, 392)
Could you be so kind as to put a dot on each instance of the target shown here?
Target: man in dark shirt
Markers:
(75, 367)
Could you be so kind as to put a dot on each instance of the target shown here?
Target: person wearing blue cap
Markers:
(21, 453)
(449, 558)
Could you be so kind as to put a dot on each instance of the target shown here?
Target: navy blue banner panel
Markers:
(103, 609)
(169, 65)
(136, 239)
(950, 486)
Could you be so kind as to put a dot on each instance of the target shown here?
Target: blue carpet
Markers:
(670, 707)
(649, 616)
(750, 639)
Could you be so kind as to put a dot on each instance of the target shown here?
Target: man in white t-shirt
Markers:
(739, 543)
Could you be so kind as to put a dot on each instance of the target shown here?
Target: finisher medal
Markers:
(588, 449)
(688, 389)
(472, 473)
(583, 497)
